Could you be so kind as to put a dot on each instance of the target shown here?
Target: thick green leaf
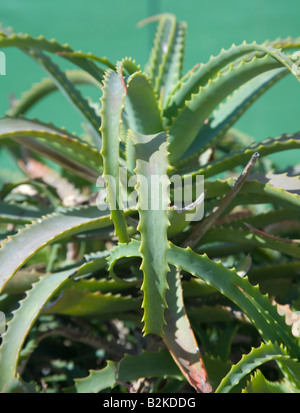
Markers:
(153, 200)
(114, 92)
(127, 67)
(43, 231)
(179, 337)
(24, 41)
(256, 357)
(200, 76)
(264, 219)
(13, 213)
(38, 186)
(282, 143)
(256, 306)
(102, 285)
(96, 381)
(130, 368)
(141, 113)
(174, 63)
(22, 281)
(251, 238)
(259, 384)
(253, 192)
(166, 58)
(228, 113)
(22, 321)
(162, 47)
(71, 93)
(285, 44)
(56, 144)
(198, 108)
(87, 56)
(46, 86)
(148, 364)
(85, 303)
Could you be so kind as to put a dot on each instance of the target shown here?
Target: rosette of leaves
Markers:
(101, 296)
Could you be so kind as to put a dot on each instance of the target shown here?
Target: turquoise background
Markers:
(108, 28)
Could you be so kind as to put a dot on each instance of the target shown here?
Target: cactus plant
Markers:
(140, 290)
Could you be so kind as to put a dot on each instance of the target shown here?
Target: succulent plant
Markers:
(101, 289)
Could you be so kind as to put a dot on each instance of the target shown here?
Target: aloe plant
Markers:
(144, 289)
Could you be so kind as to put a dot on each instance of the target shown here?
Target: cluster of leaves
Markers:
(142, 299)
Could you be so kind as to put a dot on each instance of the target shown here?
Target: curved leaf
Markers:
(229, 112)
(46, 86)
(199, 76)
(259, 384)
(16, 250)
(201, 104)
(102, 285)
(84, 303)
(282, 143)
(263, 191)
(130, 368)
(70, 92)
(252, 238)
(148, 364)
(38, 186)
(24, 41)
(33, 47)
(256, 357)
(17, 214)
(263, 219)
(23, 319)
(287, 43)
(256, 306)
(87, 56)
(141, 113)
(56, 144)
(96, 381)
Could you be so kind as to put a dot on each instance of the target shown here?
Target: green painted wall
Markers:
(108, 28)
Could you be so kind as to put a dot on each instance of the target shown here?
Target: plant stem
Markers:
(205, 225)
